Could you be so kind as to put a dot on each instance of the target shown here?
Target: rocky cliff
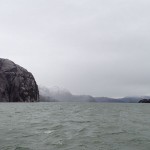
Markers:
(16, 83)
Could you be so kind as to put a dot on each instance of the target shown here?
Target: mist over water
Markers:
(74, 126)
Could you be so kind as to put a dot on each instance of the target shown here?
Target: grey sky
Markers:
(96, 47)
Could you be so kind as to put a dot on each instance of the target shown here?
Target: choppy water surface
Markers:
(74, 126)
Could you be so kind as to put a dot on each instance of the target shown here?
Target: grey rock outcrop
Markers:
(16, 83)
(144, 101)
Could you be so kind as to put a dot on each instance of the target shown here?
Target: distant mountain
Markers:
(57, 94)
(133, 99)
(61, 95)
(107, 100)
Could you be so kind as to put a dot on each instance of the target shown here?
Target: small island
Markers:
(144, 101)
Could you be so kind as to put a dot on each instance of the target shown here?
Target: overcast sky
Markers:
(95, 47)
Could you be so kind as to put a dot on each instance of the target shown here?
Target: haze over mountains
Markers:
(57, 94)
(19, 85)
(62, 95)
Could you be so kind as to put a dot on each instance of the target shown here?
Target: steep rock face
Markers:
(16, 83)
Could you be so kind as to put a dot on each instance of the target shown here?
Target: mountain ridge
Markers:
(50, 94)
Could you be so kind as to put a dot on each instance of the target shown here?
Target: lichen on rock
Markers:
(16, 83)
